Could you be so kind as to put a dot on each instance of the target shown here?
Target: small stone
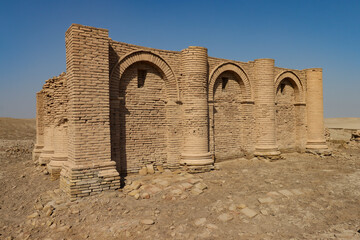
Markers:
(248, 212)
(201, 186)
(75, 211)
(265, 200)
(137, 196)
(200, 221)
(232, 207)
(57, 191)
(147, 222)
(286, 193)
(143, 171)
(150, 168)
(46, 172)
(49, 212)
(194, 180)
(225, 217)
(163, 183)
(186, 186)
(133, 193)
(196, 191)
(160, 168)
(347, 234)
(135, 185)
(297, 191)
(34, 215)
(145, 195)
(264, 212)
(273, 194)
(63, 228)
(211, 226)
(47, 207)
(184, 196)
(38, 206)
(176, 192)
(241, 206)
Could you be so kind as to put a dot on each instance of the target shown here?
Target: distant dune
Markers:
(16, 129)
(348, 123)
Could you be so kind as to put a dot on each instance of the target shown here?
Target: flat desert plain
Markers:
(302, 196)
(347, 123)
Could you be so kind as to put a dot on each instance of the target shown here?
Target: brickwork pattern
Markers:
(196, 136)
(228, 124)
(286, 116)
(265, 107)
(315, 111)
(87, 61)
(96, 122)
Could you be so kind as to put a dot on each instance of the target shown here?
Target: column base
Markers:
(316, 145)
(37, 152)
(79, 181)
(45, 156)
(55, 165)
(203, 162)
(318, 148)
(271, 152)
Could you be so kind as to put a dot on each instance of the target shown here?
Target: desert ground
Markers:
(302, 196)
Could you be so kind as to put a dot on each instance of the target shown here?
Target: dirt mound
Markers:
(17, 129)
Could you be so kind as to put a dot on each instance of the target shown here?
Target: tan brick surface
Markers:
(95, 122)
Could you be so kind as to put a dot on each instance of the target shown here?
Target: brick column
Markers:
(195, 153)
(60, 151)
(315, 110)
(265, 108)
(48, 150)
(89, 168)
(39, 126)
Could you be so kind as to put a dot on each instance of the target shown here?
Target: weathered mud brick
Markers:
(121, 107)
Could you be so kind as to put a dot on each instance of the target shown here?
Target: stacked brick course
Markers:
(120, 107)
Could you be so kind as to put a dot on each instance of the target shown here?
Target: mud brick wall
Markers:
(228, 119)
(231, 110)
(145, 121)
(89, 156)
(286, 116)
(120, 107)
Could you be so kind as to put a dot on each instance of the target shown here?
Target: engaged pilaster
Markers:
(315, 110)
(39, 126)
(195, 153)
(265, 109)
(89, 168)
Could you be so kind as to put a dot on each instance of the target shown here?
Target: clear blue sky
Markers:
(296, 33)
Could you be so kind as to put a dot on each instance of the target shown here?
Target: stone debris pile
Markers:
(171, 185)
(355, 136)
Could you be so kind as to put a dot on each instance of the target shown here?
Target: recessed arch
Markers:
(295, 80)
(229, 66)
(126, 61)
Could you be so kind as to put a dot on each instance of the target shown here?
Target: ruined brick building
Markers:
(119, 107)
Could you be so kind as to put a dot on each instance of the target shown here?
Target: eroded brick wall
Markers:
(184, 112)
(286, 116)
(228, 121)
(142, 119)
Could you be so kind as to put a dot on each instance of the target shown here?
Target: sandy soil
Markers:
(303, 196)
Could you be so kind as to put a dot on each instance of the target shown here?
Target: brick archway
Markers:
(229, 111)
(165, 123)
(126, 61)
(289, 109)
(298, 86)
(247, 89)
